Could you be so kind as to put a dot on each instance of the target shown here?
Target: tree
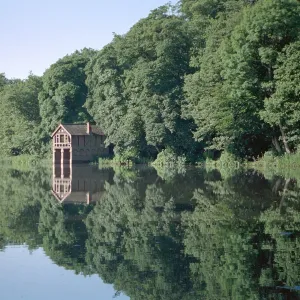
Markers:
(282, 109)
(237, 73)
(19, 111)
(206, 101)
(135, 86)
(64, 91)
(249, 61)
(3, 80)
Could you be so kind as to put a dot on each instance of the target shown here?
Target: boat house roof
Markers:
(79, 129)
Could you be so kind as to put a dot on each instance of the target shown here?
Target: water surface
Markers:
(139, 233)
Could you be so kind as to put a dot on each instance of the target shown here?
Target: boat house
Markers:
(78, 143)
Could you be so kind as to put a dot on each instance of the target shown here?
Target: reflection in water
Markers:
(78, 183)
(195, 235)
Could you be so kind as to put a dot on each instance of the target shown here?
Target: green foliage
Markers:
(168, 158)
(236, 72)
(26, 162)
(250, 58)
(64, 91)
(226, 161)
(282, 109)
(205, 102)
(3, 80)
(135, 86)
(202, 75)
(195, 236)
(286, 165)
(168, 164)
(19, 114)
(104, 161)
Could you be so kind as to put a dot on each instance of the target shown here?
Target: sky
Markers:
(34, 34)
(31, 275)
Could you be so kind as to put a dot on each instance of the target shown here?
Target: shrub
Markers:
(167, 157)
(226, 160)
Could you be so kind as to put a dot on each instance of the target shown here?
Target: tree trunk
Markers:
(277, 185)
(285, 143)
(276, 144)
(285, 189)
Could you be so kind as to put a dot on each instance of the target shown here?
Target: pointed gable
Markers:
(60, 129)
(78, 129)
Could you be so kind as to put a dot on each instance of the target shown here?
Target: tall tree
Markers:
(282, 109)
(205, 96)
(64, 91)
(250, 59)
(19, 111)
(227, 109)
(135, 86)
(3, 80)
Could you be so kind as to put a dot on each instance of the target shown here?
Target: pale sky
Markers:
(35, 33)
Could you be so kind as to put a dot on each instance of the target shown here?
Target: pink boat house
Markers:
(78, 143)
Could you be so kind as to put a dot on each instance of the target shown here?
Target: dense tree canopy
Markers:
(64, 91)
(135, 86)
(19, 114)
(204, 74)
(236, 74)
(3, 80)
(282, 108)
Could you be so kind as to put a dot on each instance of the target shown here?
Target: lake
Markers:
(138, 233)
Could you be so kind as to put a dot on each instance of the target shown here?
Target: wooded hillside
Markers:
(200, 77)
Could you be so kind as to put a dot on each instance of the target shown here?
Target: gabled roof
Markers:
(61, 197)
(79, 129)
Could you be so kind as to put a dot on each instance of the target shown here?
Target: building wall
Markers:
(61, 139)
(86, 147)
(61, 146)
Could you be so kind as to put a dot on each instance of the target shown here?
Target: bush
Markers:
(167, 157)
(116, 160)
(226, 160)
(269, 158)
(283, 161)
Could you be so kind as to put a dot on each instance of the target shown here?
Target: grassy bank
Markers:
(269, 160)
(227, 160)
(169, 160)
(287, 165)
(25, 161)
(119, 160)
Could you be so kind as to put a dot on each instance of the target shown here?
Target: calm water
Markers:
(85, 233)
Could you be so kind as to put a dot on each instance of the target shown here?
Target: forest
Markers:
(189, 81)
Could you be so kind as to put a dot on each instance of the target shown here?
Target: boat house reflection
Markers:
(78, 184)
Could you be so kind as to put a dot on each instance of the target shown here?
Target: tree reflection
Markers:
(282, 225)
(195, 235)
(20, 192)
(135, 242)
